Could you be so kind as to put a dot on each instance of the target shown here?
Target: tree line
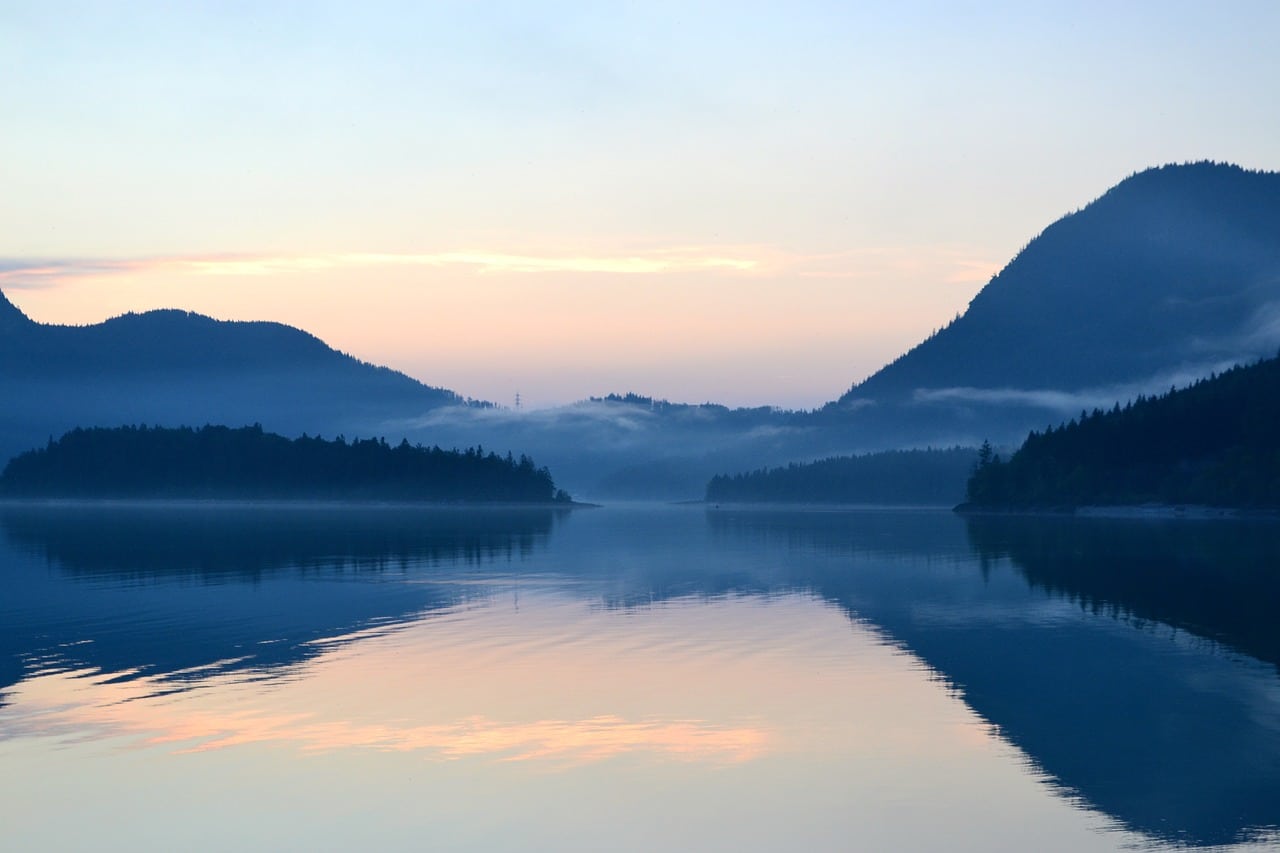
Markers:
(1214, 443)
(920, 477)
(247, 462)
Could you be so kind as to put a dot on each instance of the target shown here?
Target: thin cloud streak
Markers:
(37, 273)
(947, 264)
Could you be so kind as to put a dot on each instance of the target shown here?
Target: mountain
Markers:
(1172, 273)
(1215, 443)
(174, 367)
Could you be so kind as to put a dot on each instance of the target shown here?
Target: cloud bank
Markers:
(1072, 402)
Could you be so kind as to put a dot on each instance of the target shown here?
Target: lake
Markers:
(634, 678)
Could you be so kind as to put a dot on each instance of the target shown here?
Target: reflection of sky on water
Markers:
(441, 687)
(743, 714)
(629, 654)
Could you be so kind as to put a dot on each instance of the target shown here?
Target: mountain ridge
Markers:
(1183, 253)
(1165, 277)
(174, 367)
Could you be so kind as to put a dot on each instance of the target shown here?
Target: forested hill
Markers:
(221, 462)
(174, 367)
(1215, 443)
(911, 477)
(1175, 269)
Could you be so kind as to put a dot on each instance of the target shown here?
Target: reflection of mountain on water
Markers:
(1162, 731)
(163, 589)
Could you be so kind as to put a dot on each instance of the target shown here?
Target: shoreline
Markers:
(279, 504)
(1128, 511)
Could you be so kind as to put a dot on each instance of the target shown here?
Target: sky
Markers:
(746, 203)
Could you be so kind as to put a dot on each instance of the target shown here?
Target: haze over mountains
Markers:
(1171, 274)
(176, 368)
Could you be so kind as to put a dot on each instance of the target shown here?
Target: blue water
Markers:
(634, 678)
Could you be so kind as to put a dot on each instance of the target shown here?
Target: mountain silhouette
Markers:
(1173, 272)
(174, 367)
(1170, 275)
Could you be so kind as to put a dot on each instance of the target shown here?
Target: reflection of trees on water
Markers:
(1217, 579)
(248, 540)
(157, 590)
(1171, 738)
(927, 533)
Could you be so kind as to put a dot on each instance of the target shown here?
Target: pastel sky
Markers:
(751, 203)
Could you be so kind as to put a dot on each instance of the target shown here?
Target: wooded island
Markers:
(247, 462)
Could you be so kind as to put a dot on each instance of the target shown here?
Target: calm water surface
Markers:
(634, 678)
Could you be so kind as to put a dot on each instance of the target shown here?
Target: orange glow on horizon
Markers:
(741, 325)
